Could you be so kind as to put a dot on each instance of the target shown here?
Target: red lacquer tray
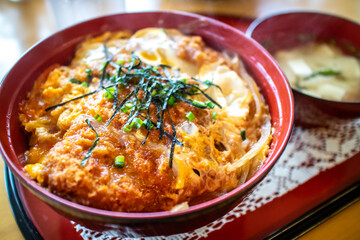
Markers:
(317, 165)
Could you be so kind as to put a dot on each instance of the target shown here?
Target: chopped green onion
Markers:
(119, 162)
(88, 74)
(124, 109)
(109, 93)
(84, 84)
(145, 123)
(190, 116)
(98, 117)
(214, 115)
(155, 68)
(127, 128)
(74, 80)
(120, 61)
(113, 79)
(323, 72)
(103, 66)
(184, 80)
(137, 122)
(171, 100)
(207, 82)
(200, 104)
(129, 105)
(243, 135)
(210, 104)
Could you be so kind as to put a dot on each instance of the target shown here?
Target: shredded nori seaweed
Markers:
(158, 90)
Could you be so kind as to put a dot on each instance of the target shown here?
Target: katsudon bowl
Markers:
(283, 32)
(59, 49)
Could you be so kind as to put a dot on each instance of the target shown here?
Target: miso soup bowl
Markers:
(60, 48)
(284, 31)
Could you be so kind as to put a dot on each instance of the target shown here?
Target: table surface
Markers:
(26, 22)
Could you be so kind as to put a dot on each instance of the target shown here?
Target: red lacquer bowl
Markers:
(60, 47)
(291, 29)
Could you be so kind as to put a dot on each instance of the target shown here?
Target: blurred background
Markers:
(23, 23)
